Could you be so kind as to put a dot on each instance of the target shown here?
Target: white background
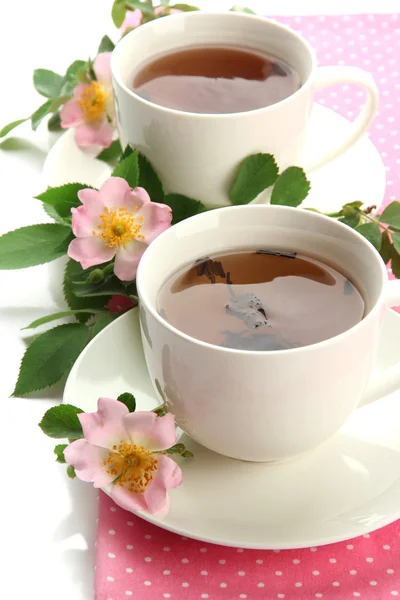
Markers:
(47, 521)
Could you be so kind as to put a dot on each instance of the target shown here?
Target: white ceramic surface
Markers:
(271, 405)
(348, 486)
(198, 154)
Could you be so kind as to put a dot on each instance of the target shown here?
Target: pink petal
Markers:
(157, 218)
(79, 89)
(105, 427)
(90, 251)
(101, 67)
(89, 197)
(114, 191)
(153, 433)
(71, 114)
(133, 18)
(88, 462)
(127, 500)
(86, 219)
(99, 133)
(168, 475)
(127, 260)
(136, 198)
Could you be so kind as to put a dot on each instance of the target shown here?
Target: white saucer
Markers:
(347, 487)
(358, 174)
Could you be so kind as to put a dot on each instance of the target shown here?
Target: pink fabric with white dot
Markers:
(140, 561)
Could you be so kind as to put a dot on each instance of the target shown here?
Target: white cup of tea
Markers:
(198, 154)
(265, 405)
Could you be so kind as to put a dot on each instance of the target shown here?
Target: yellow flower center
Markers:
(93, 101)
(119, 226)
(133, 466)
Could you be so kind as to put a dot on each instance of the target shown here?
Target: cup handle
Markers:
(330, 75)
(387, 381)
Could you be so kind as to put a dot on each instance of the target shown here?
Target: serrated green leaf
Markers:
(40, 113)
(352, 221)
(291, 187)
(109, 288)
(59, 452)
(256, 173)
(61, 315)
(102, 322)
(372, 233)
(149, 180)
(129, 400)
(184, 7)
(242, 9)
(47, 83)
(391, 214)
(71, 472)
(63, 198)
(71, 77)
(111, 154)
(128, 169)
(54, 123)
(396, 241)
(183, 207)
(33, 245)
(386, 248)
(146, 6)
(53, 214)
(118, 12)
(50, 356)
(73, 270)
(7, 128)
(62, 422)
(106, 45)
(127, 152)
(395, 264)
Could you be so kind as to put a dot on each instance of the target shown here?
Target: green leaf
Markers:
(118, 12)
(129, 401)
(149, 180)
(40, 113)
(111, 154)
(372, 233)
(72, 76)
(352, 221)
(59, 452)
(62, 422)
(127, 152)
(395, 264)
(71, 472)
(391, 214)
(242, 9)
(146, 6)
(396, 241)
(73, 270)
(33, 245)
(351, 207)
(184, 7)
(106, 45)
(386, 248)
(53, 214)
(62, 315)
(128, 169)
(102, 322)
(256, 173)
(7, 128)
(291, 187)
(54, 123)
(63, 198)
(50, 356)
(183, 207)
(47, 83)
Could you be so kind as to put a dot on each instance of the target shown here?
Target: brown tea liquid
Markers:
(258, 301)
(216, 80)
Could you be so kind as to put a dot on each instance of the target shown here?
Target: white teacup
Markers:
(198, 154)
(264, 406)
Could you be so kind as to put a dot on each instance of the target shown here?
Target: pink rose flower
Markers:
(116, 221)
(123, 453)
(91, 111)
(133, 19)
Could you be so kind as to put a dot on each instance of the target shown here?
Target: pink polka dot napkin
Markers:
(140, 561)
